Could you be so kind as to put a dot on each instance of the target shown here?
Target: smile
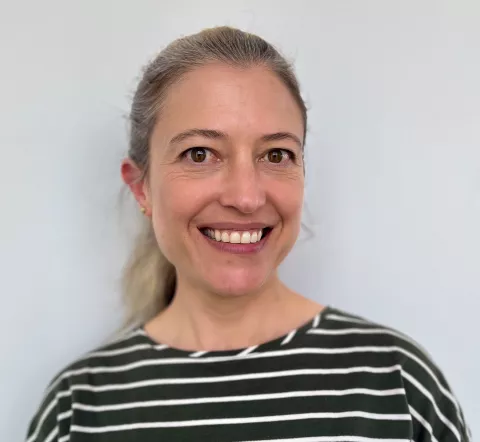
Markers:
(236, 236)
(237, 241)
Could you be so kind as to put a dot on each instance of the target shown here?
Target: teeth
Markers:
(233, 236)
(245, 239)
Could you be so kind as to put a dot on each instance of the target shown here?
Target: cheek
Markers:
(167, 207)
(168, 218)
(288, 197)
(174, 203)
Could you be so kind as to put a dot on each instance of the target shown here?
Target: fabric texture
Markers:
(337, 378)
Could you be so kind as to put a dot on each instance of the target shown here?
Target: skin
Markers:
(225, 300)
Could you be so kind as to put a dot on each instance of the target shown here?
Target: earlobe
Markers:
(134, 178)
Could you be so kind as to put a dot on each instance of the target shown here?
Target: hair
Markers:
(149, 279)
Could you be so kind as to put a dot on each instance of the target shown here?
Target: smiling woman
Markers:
(220, 349)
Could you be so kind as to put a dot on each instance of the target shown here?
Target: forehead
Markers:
(231, 99)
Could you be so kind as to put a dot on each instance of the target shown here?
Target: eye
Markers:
(278, 156)
(197, 154)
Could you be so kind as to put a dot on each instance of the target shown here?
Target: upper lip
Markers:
(234, 226)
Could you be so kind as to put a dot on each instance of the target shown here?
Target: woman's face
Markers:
(226, 164)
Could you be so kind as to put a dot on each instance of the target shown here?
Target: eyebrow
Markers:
(215, 134)
(279, 136)
(205, 133)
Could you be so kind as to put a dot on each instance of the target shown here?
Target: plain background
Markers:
(393, 174)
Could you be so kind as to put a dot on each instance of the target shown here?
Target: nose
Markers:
(243, 187)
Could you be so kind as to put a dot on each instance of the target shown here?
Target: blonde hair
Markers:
(149, 279)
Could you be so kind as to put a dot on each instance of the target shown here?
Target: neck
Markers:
(198, 320)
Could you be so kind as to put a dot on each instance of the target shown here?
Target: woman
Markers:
(221, 349)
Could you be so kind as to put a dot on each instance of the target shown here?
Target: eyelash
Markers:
(291, 155)
(184, 155)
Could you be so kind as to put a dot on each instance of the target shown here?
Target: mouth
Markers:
(254, 236)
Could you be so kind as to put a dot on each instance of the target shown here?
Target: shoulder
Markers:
(121, 351)
(52, 420)
(436, 413)
(365, 331)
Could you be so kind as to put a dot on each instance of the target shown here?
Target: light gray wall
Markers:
(393, 178)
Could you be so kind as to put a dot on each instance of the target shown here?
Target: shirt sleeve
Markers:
(51, 422)
(434, 409)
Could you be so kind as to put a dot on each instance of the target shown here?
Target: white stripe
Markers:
(65, 438)
(247, 351)
(240, 398)
(289, 352)
(53, 403)
(211, 359)
(277, 353)
(65, 415)
(331, 439)
(231, 378)
(197, 354)
(445, 392)
(424, 423)
(242, 420)
(344, 331)
(289, 337)
(427, 394)
(316, 321)
(193, 359)
(65, 374)
(356, 331)
(336, 317)
(366, 331)
(44, 415)
(53, 434)
(131, 349)
(171, 361)
(385, 329)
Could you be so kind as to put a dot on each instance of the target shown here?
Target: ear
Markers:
(134, 178)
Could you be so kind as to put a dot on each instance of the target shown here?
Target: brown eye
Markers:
(276, 156)
(198, 154)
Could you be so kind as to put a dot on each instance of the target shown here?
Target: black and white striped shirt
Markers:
(339, 378)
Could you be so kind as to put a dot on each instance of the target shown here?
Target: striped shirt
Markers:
(337, 378)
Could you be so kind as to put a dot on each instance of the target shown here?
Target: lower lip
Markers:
(240, 249)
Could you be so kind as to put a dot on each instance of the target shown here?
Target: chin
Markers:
(238, 283)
